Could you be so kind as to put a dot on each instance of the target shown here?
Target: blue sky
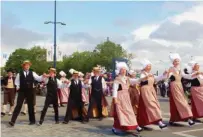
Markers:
(86, 16)
(140, 27)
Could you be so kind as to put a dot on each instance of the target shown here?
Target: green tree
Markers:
(36, 55)
(108, 50)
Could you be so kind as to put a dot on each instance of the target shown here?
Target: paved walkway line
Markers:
(183, 133)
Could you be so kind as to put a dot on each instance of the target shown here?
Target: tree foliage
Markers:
(81, 61)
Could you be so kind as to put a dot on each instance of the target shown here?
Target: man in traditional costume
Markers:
(9, 92)
(53, 84)
(149, 111)
(24, 85)
(179, 108)
(122, 110)
(97, 99)
(75, 100)
(196, 79)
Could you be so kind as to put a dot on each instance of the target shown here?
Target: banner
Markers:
(59, 55)
(50, 55)
(4, 58)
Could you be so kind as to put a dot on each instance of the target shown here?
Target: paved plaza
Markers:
(93, 128)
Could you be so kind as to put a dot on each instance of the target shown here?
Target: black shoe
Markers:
(3, 114)
(23, 113)
(32, 123)
(162, 126)
(191, 123)
(11, 124)
(101, 118)
(139, 130)
(65, 122)
(171, 123)
(62, 105)
(57, 122)
(40, 123)
(114, 131)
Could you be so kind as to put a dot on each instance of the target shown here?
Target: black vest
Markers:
(26, 82)
(96, 85)
(52, 87)
(5, 81)
(76, 90)
(195, 82)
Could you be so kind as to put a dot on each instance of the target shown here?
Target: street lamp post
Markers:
(54, 22)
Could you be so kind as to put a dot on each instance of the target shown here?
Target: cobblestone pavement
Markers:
(93, 128)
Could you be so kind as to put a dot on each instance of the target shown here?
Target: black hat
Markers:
(10, 70)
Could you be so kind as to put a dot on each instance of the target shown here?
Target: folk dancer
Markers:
(53, 84)
(121, 109)
(9, 93)
(196, 79)
(64, 91)
(24, 85)
(149, 111)
(75, 100)
(179, 107)
(134, 91)
(97, 100)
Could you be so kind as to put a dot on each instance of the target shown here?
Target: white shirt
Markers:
(156, 78)
(124, 80)
(178, 71)
(36, 77)
(104, 86)
(190, 76)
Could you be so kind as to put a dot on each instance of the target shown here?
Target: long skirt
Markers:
(149, 109)
(179, 107)
(197, 101)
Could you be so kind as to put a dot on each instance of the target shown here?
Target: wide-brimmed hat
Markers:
(97, 69)
(52, 70)
(26, 62)
(75, 72)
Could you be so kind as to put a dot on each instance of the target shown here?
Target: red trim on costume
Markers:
(117, 125)
(142, 117)
(175, 116)
(194, 110)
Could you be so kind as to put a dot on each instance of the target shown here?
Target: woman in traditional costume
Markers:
(122, 110)
(149, 111)
(134, 91)
(179, 108)
(64, 91)
(196, 79)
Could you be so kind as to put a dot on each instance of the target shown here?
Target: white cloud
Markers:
(160, 47)
(139, 41)
(194, 14)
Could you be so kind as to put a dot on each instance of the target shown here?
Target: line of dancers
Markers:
(134, 102)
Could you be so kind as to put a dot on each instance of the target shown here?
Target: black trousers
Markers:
(72, 103)
(95, 98)
(50, 100)
(23, 94)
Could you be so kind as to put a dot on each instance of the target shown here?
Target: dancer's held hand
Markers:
(66, 81)
(45, 75)
(165, 72)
